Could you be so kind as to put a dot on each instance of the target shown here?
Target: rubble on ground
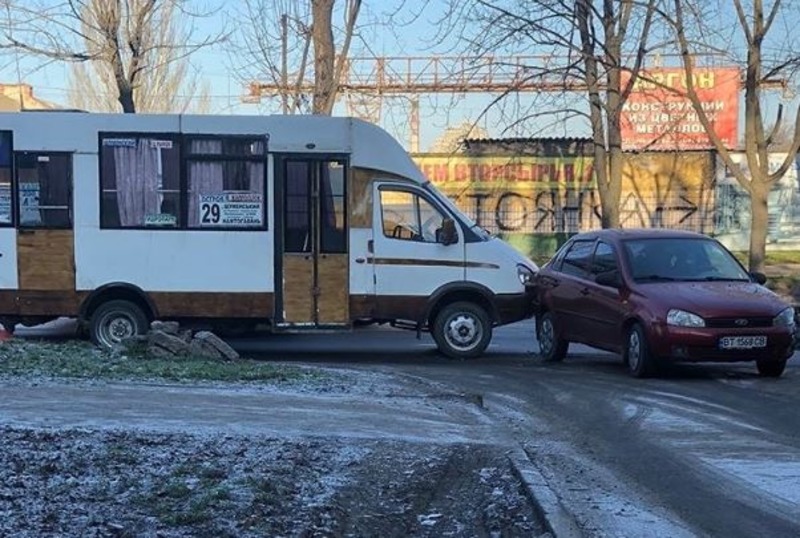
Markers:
(166, 340)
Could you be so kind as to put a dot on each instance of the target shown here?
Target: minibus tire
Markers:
(116, 320)
(473, 324)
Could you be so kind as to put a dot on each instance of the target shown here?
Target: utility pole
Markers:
(414, 123)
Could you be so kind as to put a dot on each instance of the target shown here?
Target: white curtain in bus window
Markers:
(5, 178)
(140, 180)
(44, 186)
(226, 183)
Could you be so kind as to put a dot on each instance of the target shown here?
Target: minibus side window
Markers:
(5, 179)
(44, 187)
(140, 181)
(333, 217)
(408, 216)
(226, 182)
(297, 227)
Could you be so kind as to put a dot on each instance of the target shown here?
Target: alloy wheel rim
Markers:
(463, 331)
(546, 336)
(634, 350)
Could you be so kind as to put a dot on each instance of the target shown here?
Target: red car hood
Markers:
(715, 299)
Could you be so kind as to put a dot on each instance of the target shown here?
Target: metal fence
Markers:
(721, 210)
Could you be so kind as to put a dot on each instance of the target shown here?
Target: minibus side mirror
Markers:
(447, 233)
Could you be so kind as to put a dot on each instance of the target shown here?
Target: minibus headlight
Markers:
(784, 319)
(525, 274)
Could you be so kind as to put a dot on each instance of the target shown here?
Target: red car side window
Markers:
(578, 259)
(605, 259)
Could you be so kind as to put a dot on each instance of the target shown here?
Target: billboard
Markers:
(526, 193)
(531, 194)
(659, 116)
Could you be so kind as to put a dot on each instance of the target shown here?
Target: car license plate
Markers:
(742, 342)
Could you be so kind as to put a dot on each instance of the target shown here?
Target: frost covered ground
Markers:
(69, 466)
(88, 483)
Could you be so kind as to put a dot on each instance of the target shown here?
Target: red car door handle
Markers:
(585, 291)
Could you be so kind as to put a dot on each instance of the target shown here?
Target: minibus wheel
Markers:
(115, 321)
(462, 330)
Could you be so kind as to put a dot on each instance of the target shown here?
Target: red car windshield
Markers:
(671, 259)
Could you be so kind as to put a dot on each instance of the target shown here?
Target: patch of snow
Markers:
(779, 479)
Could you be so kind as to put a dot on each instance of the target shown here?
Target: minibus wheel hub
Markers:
(463, 331)
(120, 328)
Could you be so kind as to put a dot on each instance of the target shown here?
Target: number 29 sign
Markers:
(231, 210)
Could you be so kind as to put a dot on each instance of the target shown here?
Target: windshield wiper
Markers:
(723, 279)
(658, 278)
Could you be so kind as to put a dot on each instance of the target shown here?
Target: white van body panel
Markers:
(379, 151)
(78, 133)
(148, 260)
(496, 266)
(9, 277)
(362, 280)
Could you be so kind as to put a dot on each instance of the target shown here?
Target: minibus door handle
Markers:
(371, 246)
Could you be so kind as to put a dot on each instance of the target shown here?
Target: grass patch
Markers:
(82, 360)
(177, 504)
(786, 285)
(773, 257)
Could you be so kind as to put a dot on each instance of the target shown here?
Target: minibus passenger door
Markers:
(311, 248)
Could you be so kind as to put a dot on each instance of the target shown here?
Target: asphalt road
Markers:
(704, 450)
(708, 450)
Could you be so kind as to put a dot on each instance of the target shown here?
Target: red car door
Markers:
(565, 297)
(604, 306)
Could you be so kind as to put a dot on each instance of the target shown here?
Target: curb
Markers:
(557, 519)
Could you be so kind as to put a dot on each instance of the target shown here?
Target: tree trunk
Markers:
(324, 56)
(613, 195)
(126, 100)
(759, 224)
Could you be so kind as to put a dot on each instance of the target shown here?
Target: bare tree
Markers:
(585, 46)
(132, 45)
(762, 66)
(166, 84)
(277, 34)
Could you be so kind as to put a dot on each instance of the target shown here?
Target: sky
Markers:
(395, 28)
(388, 28)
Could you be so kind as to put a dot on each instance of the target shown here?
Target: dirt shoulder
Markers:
(375, 456)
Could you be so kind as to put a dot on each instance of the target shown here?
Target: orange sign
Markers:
(659, 115)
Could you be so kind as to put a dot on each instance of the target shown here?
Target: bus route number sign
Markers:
(231, 210)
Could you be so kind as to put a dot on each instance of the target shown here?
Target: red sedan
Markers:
(659, 295)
